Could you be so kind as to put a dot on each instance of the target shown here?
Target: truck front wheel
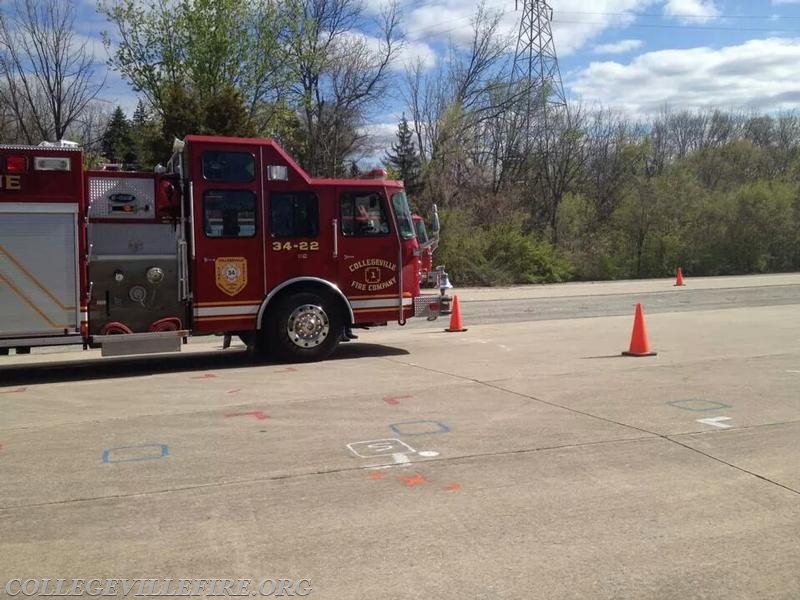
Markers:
(305, 327)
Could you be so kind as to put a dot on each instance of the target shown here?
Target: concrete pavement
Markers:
(517, 460)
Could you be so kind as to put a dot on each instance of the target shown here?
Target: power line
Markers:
(436, 30)
(692, 27)
(772, 17)
(766, 17)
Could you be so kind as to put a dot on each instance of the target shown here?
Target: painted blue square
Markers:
(125, 454)
(419, 427)
(697, 405)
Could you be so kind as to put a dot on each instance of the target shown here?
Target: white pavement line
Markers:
(401, 459)
(716, 422)
(428, 453)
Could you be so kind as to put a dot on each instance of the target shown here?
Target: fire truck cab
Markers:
(232, 237)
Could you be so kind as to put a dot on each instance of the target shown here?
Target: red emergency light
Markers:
(16, 164)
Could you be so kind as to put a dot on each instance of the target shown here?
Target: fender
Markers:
(316, 280)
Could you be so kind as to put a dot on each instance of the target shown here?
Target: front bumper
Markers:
(431, 306)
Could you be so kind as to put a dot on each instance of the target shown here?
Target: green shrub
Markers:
(500, 254)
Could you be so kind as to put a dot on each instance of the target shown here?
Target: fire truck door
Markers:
(228, 264)
(368, 249)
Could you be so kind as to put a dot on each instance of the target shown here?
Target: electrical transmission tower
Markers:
(536, 78)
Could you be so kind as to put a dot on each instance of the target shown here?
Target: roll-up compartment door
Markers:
(38, 270)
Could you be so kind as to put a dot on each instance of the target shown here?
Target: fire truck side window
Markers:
(363, 214)
(231, 167)
(294, 214)
(229, 213)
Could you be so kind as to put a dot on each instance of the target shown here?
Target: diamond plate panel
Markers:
(121, 198)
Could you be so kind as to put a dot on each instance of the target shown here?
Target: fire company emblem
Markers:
(231, 274)
(376, 275)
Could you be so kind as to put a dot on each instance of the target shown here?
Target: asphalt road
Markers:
(521, 308)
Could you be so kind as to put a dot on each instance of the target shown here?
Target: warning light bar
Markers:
(51, 163)
(16, 164)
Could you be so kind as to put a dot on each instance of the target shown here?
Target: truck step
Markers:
(140, 343)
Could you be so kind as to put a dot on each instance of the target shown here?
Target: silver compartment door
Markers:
(38, 269)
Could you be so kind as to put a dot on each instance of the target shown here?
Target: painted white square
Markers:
(373, 448)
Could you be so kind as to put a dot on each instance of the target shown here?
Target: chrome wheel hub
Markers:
(308, 326)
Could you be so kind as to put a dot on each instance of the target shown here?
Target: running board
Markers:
(29, 342)
(140, 343)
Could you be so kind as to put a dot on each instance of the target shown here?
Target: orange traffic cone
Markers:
(679, 278)
(456, 326)
(640, 344)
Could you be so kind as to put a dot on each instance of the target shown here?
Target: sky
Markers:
(636, 56)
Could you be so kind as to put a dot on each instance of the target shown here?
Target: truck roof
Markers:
(284, 157)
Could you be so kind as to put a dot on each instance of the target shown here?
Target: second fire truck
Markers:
(232, 237)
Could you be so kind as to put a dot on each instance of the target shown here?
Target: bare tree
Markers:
(457, 112)
(48, 72)
(339, 74)
(88, 130)
(468, 82)
(723, 128)
(557, 164)
(612, 157)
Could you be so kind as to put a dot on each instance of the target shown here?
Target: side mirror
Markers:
(435, 221)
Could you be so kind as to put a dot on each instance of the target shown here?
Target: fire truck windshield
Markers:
(422, 233)
(403, 214)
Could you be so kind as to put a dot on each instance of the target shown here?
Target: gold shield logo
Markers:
(231, 274)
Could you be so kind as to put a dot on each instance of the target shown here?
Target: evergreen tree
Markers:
(140, 118)
(149, 142)
(404, 158)
(117, 144)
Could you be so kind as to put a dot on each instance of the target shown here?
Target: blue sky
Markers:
(634, 55)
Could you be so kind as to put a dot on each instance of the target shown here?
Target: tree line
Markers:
(300, 71)
(535, 193)
(527, 192)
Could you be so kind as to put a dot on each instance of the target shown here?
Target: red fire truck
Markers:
(428, 276)
(232, 238)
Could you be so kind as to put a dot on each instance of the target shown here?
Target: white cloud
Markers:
(443, 20)
(414, 52)
(93, 46)
(410, 52)
(381, 137)
(691, 11)
(759, 74)
(385, 134)
(620, 47)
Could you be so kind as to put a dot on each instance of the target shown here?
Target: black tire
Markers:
(323, 322)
